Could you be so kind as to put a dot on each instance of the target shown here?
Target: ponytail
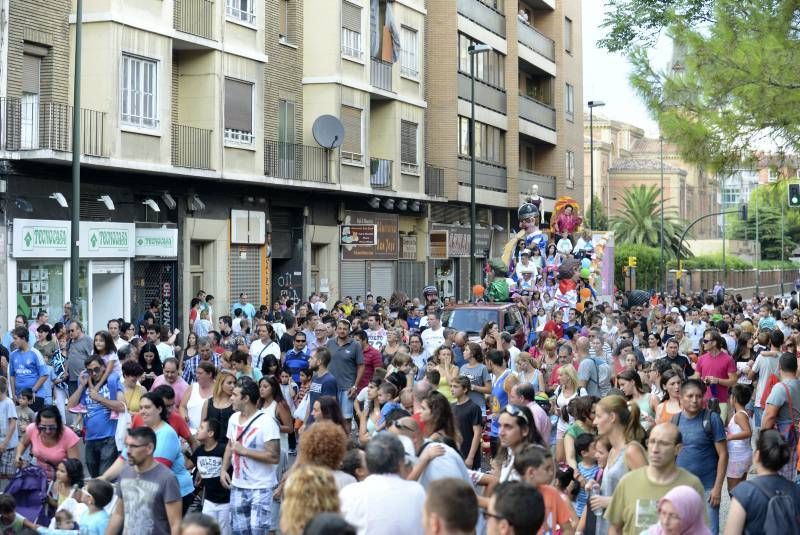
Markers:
(628, 415)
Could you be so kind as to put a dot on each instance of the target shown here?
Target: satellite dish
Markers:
(328, 131)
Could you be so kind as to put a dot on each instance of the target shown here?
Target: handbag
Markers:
(123, 424)
(302, 408)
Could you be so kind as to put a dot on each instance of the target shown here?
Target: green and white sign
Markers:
(157, 242)
(40, 238)
(107, 240)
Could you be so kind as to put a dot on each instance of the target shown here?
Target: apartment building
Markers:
(363, 63)
(527, 131)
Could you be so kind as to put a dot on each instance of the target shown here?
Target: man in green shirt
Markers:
(633, 508)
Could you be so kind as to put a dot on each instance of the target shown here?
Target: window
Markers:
(239, 111)
(139, 92)
(286, 21)
(351, 31)
(408, 147)
(490, 144)
(569, 102)
(287, 155)
(29, 119)
(489, 66)
(409, 62)
(241, 10)
(351, 147)
(568, 34)
(570, 179)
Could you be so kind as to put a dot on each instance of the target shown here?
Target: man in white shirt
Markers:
(371, 505)
(694, 330)
(376, 334)
(508, 344)
(433, 336)
(261, 348)
(113, 330)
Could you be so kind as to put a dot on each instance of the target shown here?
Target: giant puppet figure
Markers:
(529, 235)
(566, 296)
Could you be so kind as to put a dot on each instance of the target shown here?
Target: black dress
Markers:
(220, 415)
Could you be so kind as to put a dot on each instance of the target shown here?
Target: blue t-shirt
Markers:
(499, 401)
(168, 452)
(698, 454)
(98, 423)
(94, 523)
(26, 367)
(321, 386)
(296, 361)
(386, 409)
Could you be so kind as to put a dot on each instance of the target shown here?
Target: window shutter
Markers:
(351, 119)
(351, 17)
(30, 74)
(408, 142)
(238, 105)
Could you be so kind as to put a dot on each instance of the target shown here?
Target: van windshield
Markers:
(469, 320)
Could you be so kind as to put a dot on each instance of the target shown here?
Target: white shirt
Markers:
(695, 333)
(377, 339)
(247, 472)
(259, 350)
(513, 352)
(119, 343)
(164, 351)
(432, 339)
(372, 507)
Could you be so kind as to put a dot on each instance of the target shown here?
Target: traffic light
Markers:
(794, 195)
(743, 212)
(632, 261)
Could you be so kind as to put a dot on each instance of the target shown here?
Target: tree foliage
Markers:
(648, 260)
(639, 221)
(769, 205)
(737, 87)
(600, 216)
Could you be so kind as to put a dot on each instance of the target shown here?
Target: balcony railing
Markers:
(28, 124)
(546, 183)
(485, 94)
(487, 175)
(296, 162)
(380, 173)
(191, 147)
(380, 74)
(533, 39)
(434, 181)
(537, 112)
(482, 14)
(195, 17)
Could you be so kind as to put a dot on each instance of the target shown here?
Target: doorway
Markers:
(107, 291)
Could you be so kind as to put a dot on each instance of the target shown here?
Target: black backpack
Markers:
(780, 509)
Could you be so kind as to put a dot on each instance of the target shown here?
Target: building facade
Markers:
(528, 133)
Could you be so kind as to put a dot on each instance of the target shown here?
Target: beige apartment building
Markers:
(529, 125)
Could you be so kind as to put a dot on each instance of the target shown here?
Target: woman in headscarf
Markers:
(681, 512)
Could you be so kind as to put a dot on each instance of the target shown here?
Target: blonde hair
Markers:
(221, 376)
(571, 374)
(309, 490)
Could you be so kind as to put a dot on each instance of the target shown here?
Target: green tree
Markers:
(770, 204)
(600, 216)
(737, 82)
(639, 221)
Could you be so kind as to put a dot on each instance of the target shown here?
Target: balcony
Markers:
(487, 175)
(546, 183)
(480, 13)
(434, 181)
(195, 17)
(191, 147)
(485, 94)
(28, 124)
(380, 75)
(537, 112)
(380, 173)
(535, 40)
(294, 161)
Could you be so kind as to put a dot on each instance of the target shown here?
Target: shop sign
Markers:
(38, 238)
(387, 241)
(438, 244)
(458, 240)
(358, 235)
(408, 247)
(157, 242)
(107, 240)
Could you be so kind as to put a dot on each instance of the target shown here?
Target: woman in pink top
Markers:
(717, 369)
(50, 440)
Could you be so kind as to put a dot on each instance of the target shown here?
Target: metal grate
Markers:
(155, 280)
(411, 278)
(246, 266)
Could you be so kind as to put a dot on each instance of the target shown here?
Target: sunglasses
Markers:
(300, 341)
(45, 428)
(517, 413)
(96, 369)
(488, 515)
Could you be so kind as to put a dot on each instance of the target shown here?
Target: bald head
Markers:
(668, 431)
(582, 344)
(421, 390)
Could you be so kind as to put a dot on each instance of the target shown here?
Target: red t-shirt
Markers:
(192, 315)
(720, 366)
(174, 420)
(372, 360)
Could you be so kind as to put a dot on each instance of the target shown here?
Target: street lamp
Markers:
(662, 270)
(473, 50)
(592, 105)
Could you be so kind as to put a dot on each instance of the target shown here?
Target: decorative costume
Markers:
(528, 237)
(564, 223)
(567, 291)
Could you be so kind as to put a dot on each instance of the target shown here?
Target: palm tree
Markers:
(639, 221)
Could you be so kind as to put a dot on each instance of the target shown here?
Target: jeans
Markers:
(100, 455)
(713, 514)
(758, 413)
(221, 512)
(346, 404)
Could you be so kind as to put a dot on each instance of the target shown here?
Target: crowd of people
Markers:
(371, 417)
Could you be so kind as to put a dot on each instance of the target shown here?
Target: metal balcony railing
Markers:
(296, 162)
(191, 147)
(434, 181)
(535, 40)
(537, 112)
(29, 124)
(380, 173)
(481, 13)
(546, 183)
(380, 74)
(195, 17)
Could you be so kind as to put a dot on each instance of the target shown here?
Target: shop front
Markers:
(155, 271)
(449, 252)
(370, 248)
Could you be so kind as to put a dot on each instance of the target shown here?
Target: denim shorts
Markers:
(345, 403)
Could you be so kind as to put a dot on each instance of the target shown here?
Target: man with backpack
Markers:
(780, 412)
(594, 373)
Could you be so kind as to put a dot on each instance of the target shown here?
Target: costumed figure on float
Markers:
(566, 219)
(566, 296)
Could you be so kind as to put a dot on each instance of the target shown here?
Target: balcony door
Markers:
(287, 155)
(29, 113)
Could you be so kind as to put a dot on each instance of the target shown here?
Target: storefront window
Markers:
(81, 308)
(40, 286)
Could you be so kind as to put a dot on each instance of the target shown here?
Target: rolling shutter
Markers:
(352, 279)
(351, 119)
(382, 279)
(30, 74)
(408, 142)
(351, 18)
(238, 105)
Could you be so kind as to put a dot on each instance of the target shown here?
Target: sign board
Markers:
(38, 238)
(458, 239)
(408, 247)
(387, 242)
(107, 240)
(157, 242)
(358, 235)
(438, 245)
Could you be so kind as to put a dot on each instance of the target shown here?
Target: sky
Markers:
(605, 75)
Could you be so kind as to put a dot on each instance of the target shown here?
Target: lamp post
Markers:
(592, 105)
(74, 260)
(473, 49)
(662, 271)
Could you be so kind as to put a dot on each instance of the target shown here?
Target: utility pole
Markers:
(758, 248)
(74, 259)
(662, 271)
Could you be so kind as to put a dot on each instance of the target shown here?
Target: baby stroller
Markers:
(29, 489)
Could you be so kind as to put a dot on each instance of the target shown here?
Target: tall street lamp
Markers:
(662, 270)
(74, 258)
(592, 105)
(473, 50)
